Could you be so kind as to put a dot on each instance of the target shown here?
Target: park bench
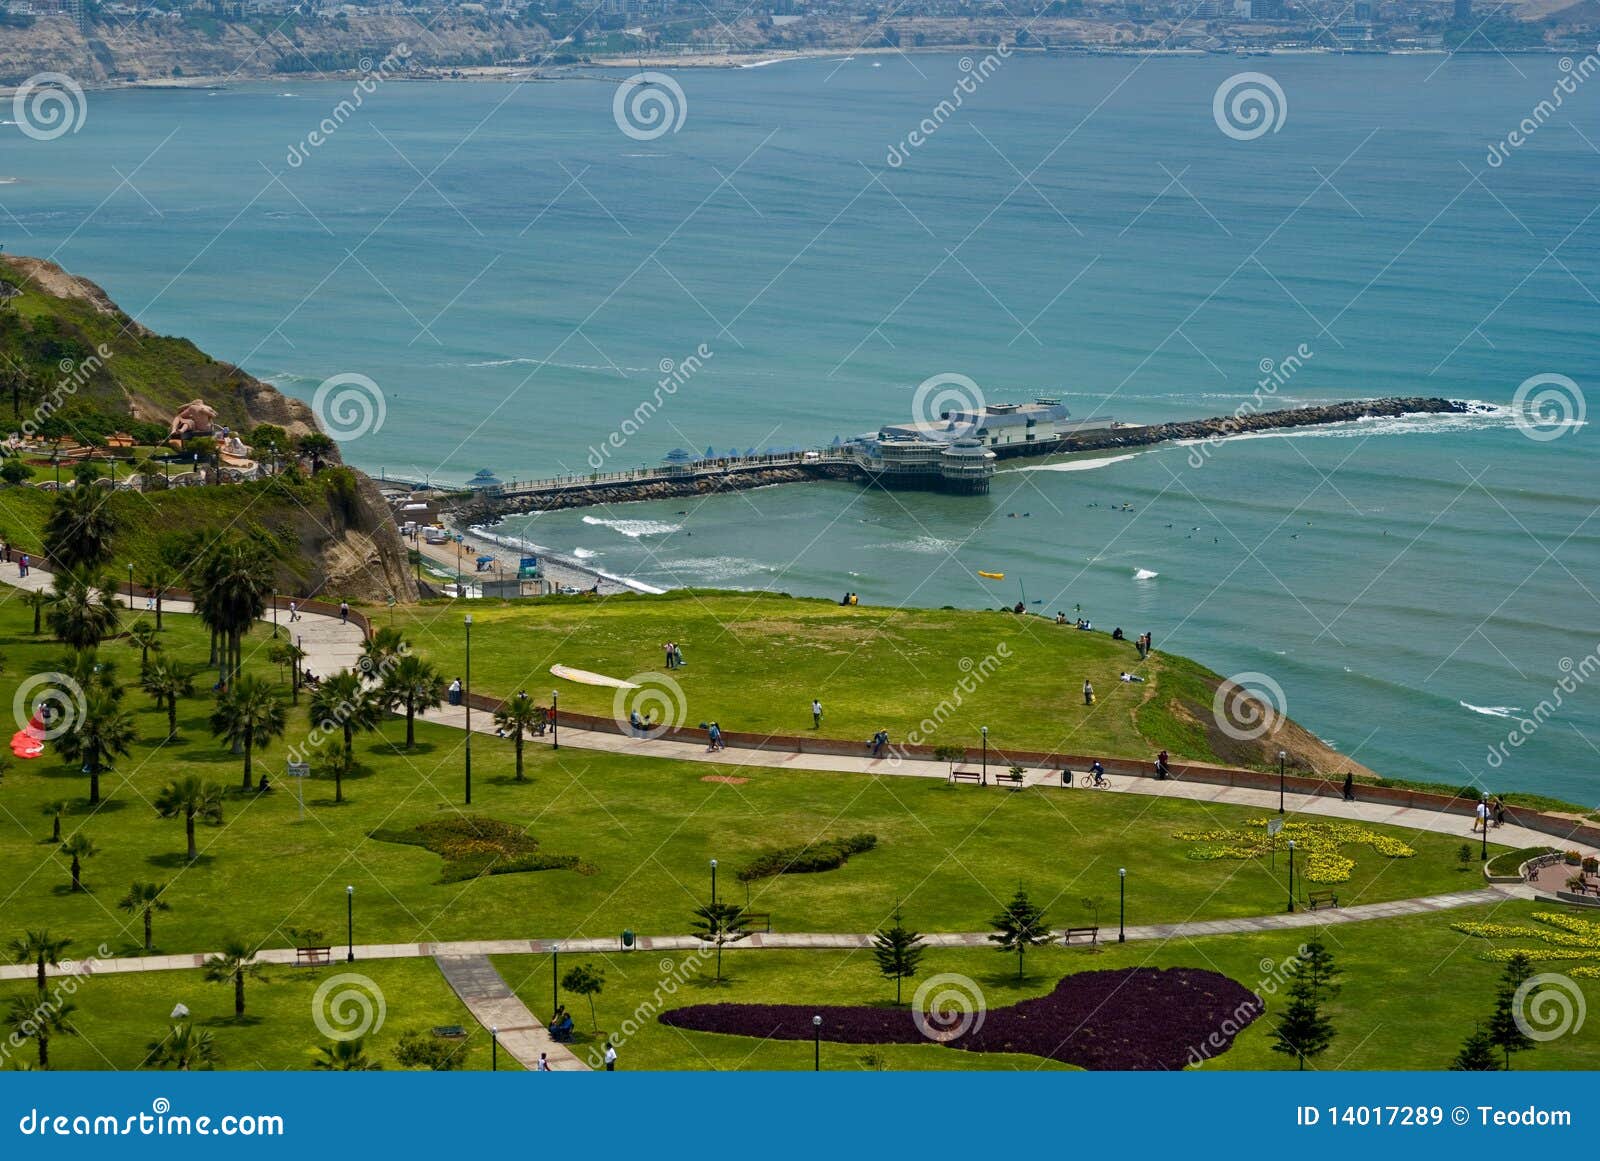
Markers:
(1321, 899)
(761, 919)
(967, 776)
(1005, 779)
(312, 956)
(1092, 933)
(450, 1032)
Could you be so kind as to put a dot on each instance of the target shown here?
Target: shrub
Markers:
(823, 855)
(473, 846)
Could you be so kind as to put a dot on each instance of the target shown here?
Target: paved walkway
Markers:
(492, 1002)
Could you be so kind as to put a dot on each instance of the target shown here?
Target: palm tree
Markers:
(166, 683)
(287, 653)
(142, 636)
(192, 798)
(53, 811)
(79, 846)
(157, 580)
(414, 683)
(380, 652)
(39, 948)
(344, 1056)
(78, 531)
(231, 587)
(341, 700)
(341, 765)
(38, 600)
(38, 1019)
(520, 718)
(92, 671)
(249, 714)
(83, 610)
(146, 899)
(233, 965)
(184, 1049)
(104, 730)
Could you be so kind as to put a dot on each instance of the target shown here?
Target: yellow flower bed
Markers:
(1563, 937)
(1319, 841)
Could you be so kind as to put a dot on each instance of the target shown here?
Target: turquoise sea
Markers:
(513, 271)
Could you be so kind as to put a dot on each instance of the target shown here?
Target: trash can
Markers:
(627, 940)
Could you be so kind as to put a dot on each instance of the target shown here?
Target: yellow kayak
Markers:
(992, 575)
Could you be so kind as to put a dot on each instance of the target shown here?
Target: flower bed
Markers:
(1558, 936)
(1137, 1019)
(1320, 842)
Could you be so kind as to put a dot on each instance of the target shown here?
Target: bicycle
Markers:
(1088, 782)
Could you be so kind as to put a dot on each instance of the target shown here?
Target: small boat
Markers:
(992, 575)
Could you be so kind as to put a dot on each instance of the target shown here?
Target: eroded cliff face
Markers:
(153, 49)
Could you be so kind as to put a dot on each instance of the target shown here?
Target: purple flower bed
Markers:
(1138, 1019)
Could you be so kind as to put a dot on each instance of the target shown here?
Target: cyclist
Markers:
(1099, 774)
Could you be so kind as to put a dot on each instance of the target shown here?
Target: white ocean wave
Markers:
(1087, 465)
(713, 569)
(634, 529)
(1492, 711)
(584, 553)
(1482, 417)
(1144, 574)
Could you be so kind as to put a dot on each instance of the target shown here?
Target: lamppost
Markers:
(983, 778)
(274, 616)
(350, 923)
(55, 458)
(555, 720)
(816, 1044)
(555, 986)
(713, 882)
(1122, 904)
(466, 700)
(1483, 851)
(130, 586)
(1281, 757)
(494, 1048)
(1291, 876)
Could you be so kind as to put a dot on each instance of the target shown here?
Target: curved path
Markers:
(332, 645)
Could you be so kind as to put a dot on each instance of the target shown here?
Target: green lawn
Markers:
(119, 1015)
(755, 661)
(1412, 990)
(644, 830)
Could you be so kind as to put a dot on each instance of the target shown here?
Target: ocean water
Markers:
(514, 273)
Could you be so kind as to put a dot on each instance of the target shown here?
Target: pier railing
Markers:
(719, 466)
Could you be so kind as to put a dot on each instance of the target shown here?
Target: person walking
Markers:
(1482, 813)
(344, 612)
(1349, 787)
(1499, 812)
(611, 1057)
(294, 612)
(22, 565)
(544, 1063)
(1161, 766)
(816, 714)
(670, 649)
(1088, 692)
(455, 692)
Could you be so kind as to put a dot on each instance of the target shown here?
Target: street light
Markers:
(1122, 904)
(494, 1048)
(555, 987)
(130, 586)
(1483, 851)
(713, 882)
(466, 700)
(350, 923)
(1291, 876)
(1281, 757)
(555, 721)
(983, 778)
(816, 1044)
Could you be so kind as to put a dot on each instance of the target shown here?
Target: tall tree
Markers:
(185, 1049)
(1505, 1023)
(899, 952)
(83, 610)
(383, 649)
(190, 798)
(315, 446)
(53, 811)
(79, 529)
(720, 924)
(38, 600)
(157, 580)
(78, 846)
(413, 684)
(231, 588)
(344, 1056)
(233, 965)
(142, 635)
(166, 682)
(342, 702)
(40, 949)
(40, 1019)
(588, 982)
(1021, 925)
(1304, 1030)
(145, 899)
(105, 730)
(250, 714)
(520, 719)
(1477, 1053)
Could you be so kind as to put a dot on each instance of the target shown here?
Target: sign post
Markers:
(300, 771)
(1274, 825)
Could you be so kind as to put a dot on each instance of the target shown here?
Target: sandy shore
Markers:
(557, 568)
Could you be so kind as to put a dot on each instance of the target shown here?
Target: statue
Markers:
(195, 418)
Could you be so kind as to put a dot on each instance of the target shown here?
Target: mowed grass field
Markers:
(644, 831)
(755, 661)
(1412, 990)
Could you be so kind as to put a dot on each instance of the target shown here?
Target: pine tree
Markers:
(1023, 924)
(899, 953)
(1303, 1030)
(719, 924)
(1477, 1054)
(1505, 1030)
